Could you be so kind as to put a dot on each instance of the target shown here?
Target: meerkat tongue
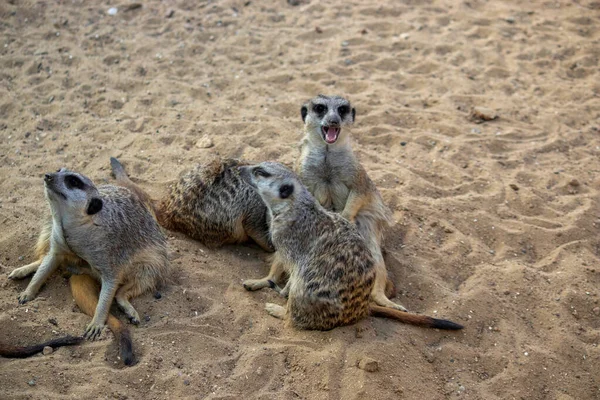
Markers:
(331, 134)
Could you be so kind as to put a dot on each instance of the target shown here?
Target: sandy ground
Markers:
(497, 223)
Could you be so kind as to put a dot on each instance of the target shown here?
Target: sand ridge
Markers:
(497, 223)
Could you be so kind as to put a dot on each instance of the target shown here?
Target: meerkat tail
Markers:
(122, 178)
(413, 319)
(119, 171)
(26, 351)
(85, 292)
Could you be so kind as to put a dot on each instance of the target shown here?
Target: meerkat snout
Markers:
(273, 181)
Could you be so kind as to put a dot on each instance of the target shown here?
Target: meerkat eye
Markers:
(343, 110)
(319, 108)
(74, 182)
(261, 172)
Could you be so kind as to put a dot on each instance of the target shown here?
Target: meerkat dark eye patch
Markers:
(94, 206)
(73, 182)
(303, 113)
(261, 172)
(343, 111)
(320, 108)
(286, 191)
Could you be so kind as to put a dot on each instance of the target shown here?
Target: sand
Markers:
(497, 223)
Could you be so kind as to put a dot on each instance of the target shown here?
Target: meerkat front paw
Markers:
(256, 284)
(134, 318)
(93, 331)
(19, 273)
(275, 310)
(25, 297)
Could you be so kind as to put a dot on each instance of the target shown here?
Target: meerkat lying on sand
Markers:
(107, 232)
(332, 270)
(328, 168)
(212, 204)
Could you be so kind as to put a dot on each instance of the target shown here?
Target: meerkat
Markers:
(106, 232)
(332, 270)
(329, 169)
(212, 204)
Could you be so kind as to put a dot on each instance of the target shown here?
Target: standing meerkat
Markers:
(212, 204)
(332, 270)
(106, 232)
(329, 169)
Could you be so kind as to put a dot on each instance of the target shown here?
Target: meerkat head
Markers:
(71, 192)
(277, 185)
(324, 117)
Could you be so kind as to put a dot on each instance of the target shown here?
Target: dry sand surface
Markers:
(497, 223)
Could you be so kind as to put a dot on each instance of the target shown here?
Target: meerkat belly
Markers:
(331, 195)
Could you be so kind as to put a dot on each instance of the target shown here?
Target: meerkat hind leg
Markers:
(128, 309)
(122, 297)
(378, 292)
(260, 239)
(275, 310)
(271, 280)
(23, 272)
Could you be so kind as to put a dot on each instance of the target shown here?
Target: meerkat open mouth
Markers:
(331, 133)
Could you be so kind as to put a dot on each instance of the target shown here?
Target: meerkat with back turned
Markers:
(332, 270)
(212, 204)
(331, 172)
(107, 232)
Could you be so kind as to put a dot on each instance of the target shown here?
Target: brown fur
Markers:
(332, 270)
(338, 181)
(96, 231)
(85, 292)
(212, 204)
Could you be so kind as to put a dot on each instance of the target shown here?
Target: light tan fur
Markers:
(331, 172)
(97, 231)
(331, 269)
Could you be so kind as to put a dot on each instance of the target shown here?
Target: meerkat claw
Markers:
(24, 298)
(93, 331)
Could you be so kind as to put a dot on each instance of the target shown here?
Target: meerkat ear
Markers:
(353, 114)
(286, 191)
(94, 206)
(304, 112)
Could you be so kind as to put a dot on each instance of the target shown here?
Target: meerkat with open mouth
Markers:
(329, 169)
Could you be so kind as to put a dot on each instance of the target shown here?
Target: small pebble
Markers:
(205, 143)
(53, 321)
(514, 187)
(21, 258)
(47, 350)
(482, 114)
(402, 143)
(404, 36)
(596, 310)
(31, 382)
(170, 13)
(112, 11)
(368, 364)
